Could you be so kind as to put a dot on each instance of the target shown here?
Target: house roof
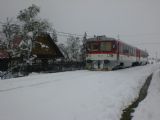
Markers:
(46, 42)
(59, 53)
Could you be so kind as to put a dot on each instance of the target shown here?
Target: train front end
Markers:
(101, 53)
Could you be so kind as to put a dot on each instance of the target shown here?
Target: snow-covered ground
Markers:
(149, 109)
(75, 95)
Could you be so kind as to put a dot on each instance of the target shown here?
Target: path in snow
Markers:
(148, 109)
(127, 112)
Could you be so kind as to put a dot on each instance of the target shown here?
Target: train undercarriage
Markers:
(108, 65)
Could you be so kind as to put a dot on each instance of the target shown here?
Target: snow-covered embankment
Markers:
(149, 109)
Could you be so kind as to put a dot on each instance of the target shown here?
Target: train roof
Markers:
(101, 38)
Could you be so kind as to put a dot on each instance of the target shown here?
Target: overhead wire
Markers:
(67, 34)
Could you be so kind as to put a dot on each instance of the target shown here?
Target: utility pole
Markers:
(156, 56)
(118, 36)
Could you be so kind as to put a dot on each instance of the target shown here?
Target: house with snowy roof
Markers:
(43, 50)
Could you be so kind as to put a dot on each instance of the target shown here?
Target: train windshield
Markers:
(99, 46)
(106, 46)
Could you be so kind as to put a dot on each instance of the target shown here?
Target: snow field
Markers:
(75, 95)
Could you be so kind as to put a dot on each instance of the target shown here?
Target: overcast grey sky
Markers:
(136, 21)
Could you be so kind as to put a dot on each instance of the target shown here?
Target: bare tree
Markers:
(32, 26)
(73, 48)
(83, 48)
(63, 49)
(54, 35)
(31, 23)
(10, 29)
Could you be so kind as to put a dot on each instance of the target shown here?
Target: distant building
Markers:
(4, 60)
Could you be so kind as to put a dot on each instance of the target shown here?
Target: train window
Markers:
(114, 46)
(130, 52)
(125, 49)
(94, 46)
(88, 48)
(106, 46)
(121, 48)
(134, 52)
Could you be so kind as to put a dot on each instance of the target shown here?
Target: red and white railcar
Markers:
(105, 53)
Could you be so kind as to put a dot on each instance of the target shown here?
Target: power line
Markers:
(66, 34)
(71, 34)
